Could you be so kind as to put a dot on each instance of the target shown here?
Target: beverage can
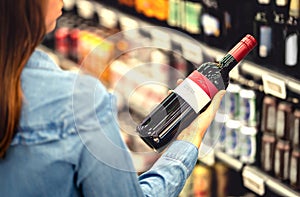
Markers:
(215, 137)
(247, 104)
(248, 144)
(232, 146)
(230, 104)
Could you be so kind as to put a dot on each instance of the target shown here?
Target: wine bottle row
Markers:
(234, 129)
(275, 23)
(264, 135)
(280, 140)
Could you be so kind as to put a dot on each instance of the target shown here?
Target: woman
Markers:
(58, 132)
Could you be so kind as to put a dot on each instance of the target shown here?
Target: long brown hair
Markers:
(22, 28)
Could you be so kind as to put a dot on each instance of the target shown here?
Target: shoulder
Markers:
(53, 99)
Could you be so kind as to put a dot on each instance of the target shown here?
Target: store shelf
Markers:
(255, 179)
(280, 82)
(230, 161)
(261, 181)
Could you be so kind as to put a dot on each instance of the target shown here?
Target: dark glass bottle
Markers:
(278, 40)
(191, 97)
(282, 7)
(292, 38)
(213, 24)
(263, 32)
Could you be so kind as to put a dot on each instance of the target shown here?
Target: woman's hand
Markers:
(195, 131)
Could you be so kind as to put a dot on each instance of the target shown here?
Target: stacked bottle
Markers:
(280, 140)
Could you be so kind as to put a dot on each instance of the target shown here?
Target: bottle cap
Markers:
(240, 50)
(250, 41)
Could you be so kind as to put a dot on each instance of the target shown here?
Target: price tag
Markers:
(128, 23)
(108, 18)
(192, 51)
(274, 86)
(130, 27)
(85, 9)
(253, 181)
(161, 38)
(264, 1)
(69, 5)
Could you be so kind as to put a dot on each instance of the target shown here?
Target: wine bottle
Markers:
(263, 31)
(191, 97)
(212, 20)
(282, 7)
(279, 28)
(292, 39)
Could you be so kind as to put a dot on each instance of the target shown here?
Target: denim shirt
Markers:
(69, 142)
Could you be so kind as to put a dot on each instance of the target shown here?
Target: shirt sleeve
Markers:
(169, 174)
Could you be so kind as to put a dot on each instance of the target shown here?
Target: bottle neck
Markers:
(228, 62)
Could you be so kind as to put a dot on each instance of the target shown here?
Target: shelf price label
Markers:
(108, 18)
(253, 181)
(161, 38)
(192, 51)
(274, 86)
(85, 9)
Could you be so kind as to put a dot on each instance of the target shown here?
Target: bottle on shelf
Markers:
(268, 145)
(191, 97)
(284, 120)
(248, 144)
(292, 39)
(247, 107)
(174, 14)
(295, 127)
(213, 24)
(193, 9)
(237, 18)
(282, 7)
(295, 168)
(278, 38)
(233, 137)
(263, 32)
(264, 5)
(282, 160)
(268, 117)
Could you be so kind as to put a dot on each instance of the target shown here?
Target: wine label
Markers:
(271, 121)
(173, 19)
(193, 12)
(291, 48)
(211, 25)
(296, 131)
(286, 165)
(277, 163)
(248, 144)
(247, 107)
(280, 124)
(293, 171)
(264, 1)
(281, 2)
(265, 41)
(267, 157)
(196, 90)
